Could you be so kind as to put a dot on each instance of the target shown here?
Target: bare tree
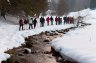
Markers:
(28, 7)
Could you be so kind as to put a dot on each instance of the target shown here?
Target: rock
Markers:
(56, 33)
(29, 37)
(42, 33)
(53, 31)
(51, 34)
(66, 30)
(46, 40)
(27, 50)
(48, 34)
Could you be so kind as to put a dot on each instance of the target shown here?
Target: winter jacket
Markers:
(56, 19)
(25, 21)
(31, 21)
(21, 22)
(51, 18)
(35, 21)
(48, 19)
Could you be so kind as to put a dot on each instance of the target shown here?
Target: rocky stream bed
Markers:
(37, 49)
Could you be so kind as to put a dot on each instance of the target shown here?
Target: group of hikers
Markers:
(32, 22)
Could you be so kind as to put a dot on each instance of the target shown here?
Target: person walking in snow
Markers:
(31, 23)
(48, 19)
(56, 20)
(34, 22)
(51, 19)
(21, 23)
(42, 21)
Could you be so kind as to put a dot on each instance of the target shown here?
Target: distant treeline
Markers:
(20, 7)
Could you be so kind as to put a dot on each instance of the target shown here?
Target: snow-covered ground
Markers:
(10, 37)
(79, 44)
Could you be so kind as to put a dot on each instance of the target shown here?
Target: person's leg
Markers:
(51, 23)
(29, 26)
(22, 27)
(34, 26)
(56, 22)
(40, 24)
(43, 24)
(48, 23)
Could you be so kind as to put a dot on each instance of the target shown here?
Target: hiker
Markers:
(34, 22)
(21, 23)
(51, 19)
(31, 23)
(42, 21)
(56, 20)
(59, 20)
(65, 20)
(48, 19)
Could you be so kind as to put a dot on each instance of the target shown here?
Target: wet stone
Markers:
(27, 51)
(46, 40)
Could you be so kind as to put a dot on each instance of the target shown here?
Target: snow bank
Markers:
(82, 13)
(79, 44)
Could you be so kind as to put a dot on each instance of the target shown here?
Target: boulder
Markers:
(27, 50)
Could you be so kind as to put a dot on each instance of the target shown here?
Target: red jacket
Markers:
(56, 19)
(47, 19)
